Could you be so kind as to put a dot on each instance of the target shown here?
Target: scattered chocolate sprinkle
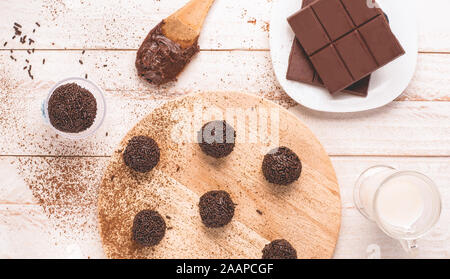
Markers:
(83, 51)
(71, 108)
(30, 41)
(259, 212)
(104, 66)
(34, 30)
(29, 51)
(148, 228)
(37, 23)
(43, 61)
(26, 60)
(281, 166)
(12, 57)
(217, 139)
(25, 67)
(5, 44)
(29, 72)
(216, 209)
(141, 154)
(278, 250)
(86, 76)
(17, 24)
(81, 62)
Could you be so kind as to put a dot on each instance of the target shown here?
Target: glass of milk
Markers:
(404, 204)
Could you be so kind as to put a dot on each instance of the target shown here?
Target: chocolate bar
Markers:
(300, 68)
(345, 40)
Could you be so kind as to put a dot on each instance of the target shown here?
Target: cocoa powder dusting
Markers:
(66, 188)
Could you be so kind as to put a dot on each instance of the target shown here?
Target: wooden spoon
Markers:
(184, 26)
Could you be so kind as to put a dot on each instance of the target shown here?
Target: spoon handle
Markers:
(193, 14)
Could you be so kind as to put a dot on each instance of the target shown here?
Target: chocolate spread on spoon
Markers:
(159, 59)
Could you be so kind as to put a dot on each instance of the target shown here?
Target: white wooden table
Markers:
(412, 132)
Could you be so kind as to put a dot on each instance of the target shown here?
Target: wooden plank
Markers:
(122, 24)
(416, 128)
(209, 71)
(400, 128)
(359, 238)
(115, 71)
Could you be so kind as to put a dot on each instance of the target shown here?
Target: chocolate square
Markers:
(380, 40)
(355, 55)
(333, 17)
(359, 11)
(331, 68)
(308, 28)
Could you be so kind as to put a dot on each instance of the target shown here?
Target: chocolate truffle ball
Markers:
(281, 166)
(148, 228)
(279, 249)
(72, 108)
(216, 209)
(217, 139)
(141, 154)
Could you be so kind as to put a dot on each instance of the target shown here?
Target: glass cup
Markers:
(404, 204)
(101, 108)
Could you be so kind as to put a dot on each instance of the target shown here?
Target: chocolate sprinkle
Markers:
(71, 108)
(216, 209)
(141, 154)
(281, 166)
(148, 228)
(216, 143)
(279, 249)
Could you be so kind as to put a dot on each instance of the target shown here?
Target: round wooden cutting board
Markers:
(307, 213)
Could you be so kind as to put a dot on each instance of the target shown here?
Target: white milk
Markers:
(399, 202)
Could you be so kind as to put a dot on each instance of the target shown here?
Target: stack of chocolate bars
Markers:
(339, 43)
